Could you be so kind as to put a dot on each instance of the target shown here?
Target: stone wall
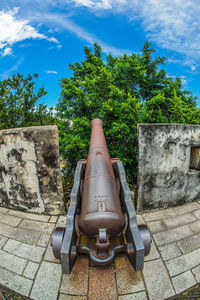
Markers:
(169, 165)
(30, 178)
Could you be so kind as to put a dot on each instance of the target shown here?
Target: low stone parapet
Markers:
(30, 177)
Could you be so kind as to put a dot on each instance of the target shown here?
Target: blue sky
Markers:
(45, 36)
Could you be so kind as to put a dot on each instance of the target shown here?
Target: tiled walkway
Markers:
(28, 267)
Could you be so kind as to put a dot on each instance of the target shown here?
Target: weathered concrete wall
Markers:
(168, 171)
(30, 178)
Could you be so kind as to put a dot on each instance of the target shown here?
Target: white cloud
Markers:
(51, 72)
(172, 24)
(14, 29)
(102, 4)
(7, 51)
(64, 23)
(193, 68)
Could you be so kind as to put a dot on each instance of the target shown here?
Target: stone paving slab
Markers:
(169, 251)
(30, 270)
(153, 252)
(102, 283)
(183, 263)
(173, 264)
(171, 235)
(37, 226)
(29, 216)
(29, 252)
(77, 282)
(12, 262)
(195, 226)
(3, 210)
(49, 255)
(47, 282)
(128, 280)
(183, 281)
(186, 208)
(157, 215)
(157, 280)
(196, 213)
(156, 226)
(22, 235)
(70, 297)
(10, 220)
(43, 240)
(179, 220)
(135, 296)
(15, 282)
(190, 243)
(3, 240)
(196, 272)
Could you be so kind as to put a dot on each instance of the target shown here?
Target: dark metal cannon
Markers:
(101, 219)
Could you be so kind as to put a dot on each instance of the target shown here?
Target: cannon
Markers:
(101, 219)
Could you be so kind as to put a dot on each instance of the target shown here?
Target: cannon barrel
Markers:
(99, 193)
(101, 213)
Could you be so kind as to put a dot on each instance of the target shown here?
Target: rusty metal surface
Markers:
(101, 219)
(100, 208)
(57, 240)
(69, 251)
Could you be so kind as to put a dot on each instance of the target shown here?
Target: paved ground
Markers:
(28, 267)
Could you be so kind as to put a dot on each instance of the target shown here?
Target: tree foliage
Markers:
(123, 91)
(18, 103)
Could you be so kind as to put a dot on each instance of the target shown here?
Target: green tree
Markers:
(18, 103)
(123, 91)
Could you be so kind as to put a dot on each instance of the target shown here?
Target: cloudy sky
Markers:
(45, 36)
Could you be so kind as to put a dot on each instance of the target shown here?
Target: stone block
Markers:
(30, 270)
(171, 235)
(37, 226)
(157, 215)
(128, 280)
(30, 170)
(183, 209)
(10, 220)
(76, 283)
(196, 272)
(156, 226)
(179, 220)
(29, 252)
(3, 240)
(169, 251)
(165, 177)
(157, 280)
(183, 263)
(190, 243)
(46, 285)
(102, 283)
(30, 216)
(183, 281)
(135, 296)
(12, 262)
(15, 282)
